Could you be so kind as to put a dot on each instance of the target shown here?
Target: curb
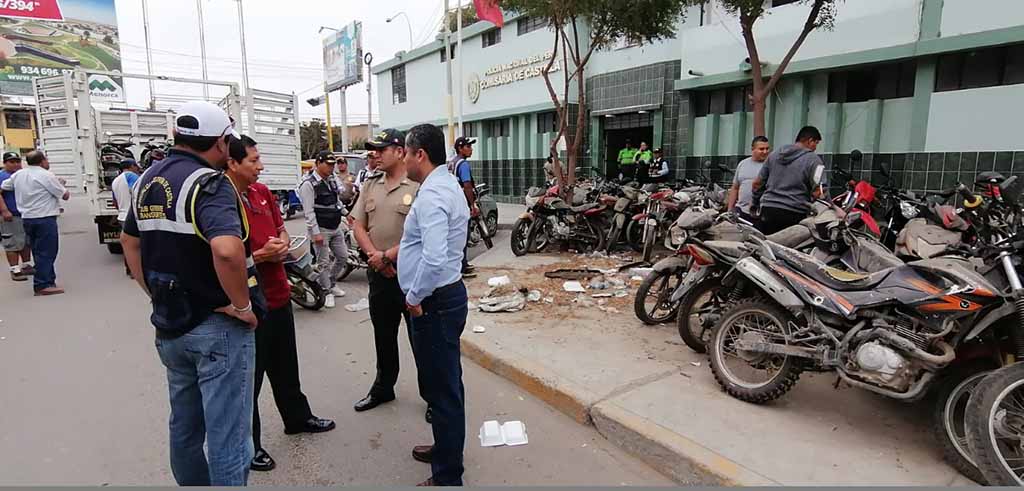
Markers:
(683, 460)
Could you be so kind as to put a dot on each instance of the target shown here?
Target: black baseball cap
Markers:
(325, 156)
(12, 156)
(128, 163)
(385, 139)
(463, 141)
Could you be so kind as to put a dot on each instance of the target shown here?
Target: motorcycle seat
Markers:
(728, 248)
(834, 278)
(584, 207)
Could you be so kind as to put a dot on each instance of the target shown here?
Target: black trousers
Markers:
(277, 356)
(776, 219)
(387, 309)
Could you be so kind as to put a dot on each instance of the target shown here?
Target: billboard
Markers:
(44, 38)
(343, 55)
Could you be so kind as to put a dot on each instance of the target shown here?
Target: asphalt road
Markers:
(84, 396)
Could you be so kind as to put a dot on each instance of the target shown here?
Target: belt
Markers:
(450, 286)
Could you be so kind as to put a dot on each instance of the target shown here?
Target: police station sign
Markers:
(510, 73)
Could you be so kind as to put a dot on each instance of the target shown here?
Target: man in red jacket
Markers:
(276, 354)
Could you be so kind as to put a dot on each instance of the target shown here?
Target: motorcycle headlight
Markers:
(909, 210)
(678, 236)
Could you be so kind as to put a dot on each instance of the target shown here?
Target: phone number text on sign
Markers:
(20, 5)
(43, 71)
(32, 9)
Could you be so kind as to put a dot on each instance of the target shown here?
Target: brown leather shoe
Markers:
(427, 483)
(45, 292)
(19, 276)
(423, 453)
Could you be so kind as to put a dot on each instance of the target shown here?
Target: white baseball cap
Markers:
(213, 121)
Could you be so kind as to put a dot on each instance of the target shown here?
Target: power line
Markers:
(231, 60)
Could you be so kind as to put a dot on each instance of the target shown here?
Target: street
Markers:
(85, 398)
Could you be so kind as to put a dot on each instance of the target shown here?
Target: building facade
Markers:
(929, 87)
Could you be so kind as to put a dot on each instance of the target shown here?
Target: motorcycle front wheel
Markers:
(635, 235)
(306, 293)
(994, 423)
(748, 375)
(520, 235)
(652, 304)
(953, 391)
(698, 312)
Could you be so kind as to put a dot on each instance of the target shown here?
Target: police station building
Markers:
(931, 87)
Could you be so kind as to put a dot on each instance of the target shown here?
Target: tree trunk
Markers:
(760, 104)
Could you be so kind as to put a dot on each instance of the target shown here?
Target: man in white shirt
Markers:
(122, 189)
(38, 193)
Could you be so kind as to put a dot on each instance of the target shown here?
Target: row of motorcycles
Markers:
(607, 215)
(910, 296)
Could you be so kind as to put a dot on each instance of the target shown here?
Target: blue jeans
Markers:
(436, 347)
(42, 234)
(210, 381)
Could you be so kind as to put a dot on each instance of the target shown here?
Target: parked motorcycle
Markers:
(112, 153)
(357, 259)
(153, 151)
(549, 218)
(484, 227)
(306, 292)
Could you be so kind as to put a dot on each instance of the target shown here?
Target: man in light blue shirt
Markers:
(430, 274)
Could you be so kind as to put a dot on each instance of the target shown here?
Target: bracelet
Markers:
(247, 308)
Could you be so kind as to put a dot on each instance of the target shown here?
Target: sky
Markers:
(91, 10)
(283, 47)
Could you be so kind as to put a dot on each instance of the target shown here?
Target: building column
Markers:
(924, 85)
(833, 128)
(711, 138)
(740, 131)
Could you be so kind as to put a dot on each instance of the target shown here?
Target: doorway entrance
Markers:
(633, 128)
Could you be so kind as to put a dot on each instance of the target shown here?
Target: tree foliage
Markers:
(313, 140)
(579, 28)
(468, 18)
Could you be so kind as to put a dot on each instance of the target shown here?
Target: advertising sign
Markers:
(343, 54)
(46, 39)
(29, 9)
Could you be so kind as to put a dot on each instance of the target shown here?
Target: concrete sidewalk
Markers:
(649, 394)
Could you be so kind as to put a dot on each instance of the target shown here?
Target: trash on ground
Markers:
(601, 295)
(612, 310)
(598, 284)
(637, 278)
(641, 272)
(572, 274)
(362, 304)
(498, 281)
(634, 265)
(602, 302)
(511, 433)
(621, 293)
(695, 363)
(584, 301)
(616, 283)
(533, 296)
(549, 300)
(573, 287)
(479, 329)
(505, 298)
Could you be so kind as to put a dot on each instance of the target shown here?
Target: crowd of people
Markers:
(206, 242)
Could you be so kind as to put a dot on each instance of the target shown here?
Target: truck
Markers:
(75, 124)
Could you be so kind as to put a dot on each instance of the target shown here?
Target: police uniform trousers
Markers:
(387, 309)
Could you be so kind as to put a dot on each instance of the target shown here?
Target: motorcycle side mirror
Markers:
(856, 156)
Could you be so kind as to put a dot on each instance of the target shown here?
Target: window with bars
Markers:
(497, 127)
(888, 81)
(451, 49)
(469, 130)
(547, 122)
(723, 101)
(527, 25)
(980, 68)
(492, 37)
(398, 95)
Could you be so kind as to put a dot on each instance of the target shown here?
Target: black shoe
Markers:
(429, 416)
(423, 453)
(371, 401)
(262, 461)
(312, 425)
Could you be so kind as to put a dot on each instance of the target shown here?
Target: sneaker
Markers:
(329, 301)
(337, 292)
(19, 276)
(468, 274)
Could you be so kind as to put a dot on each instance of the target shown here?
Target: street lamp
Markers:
(328, 28)
(407, 24)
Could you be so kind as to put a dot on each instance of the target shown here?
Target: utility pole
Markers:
(448, 73)
(202, 47)
(245, 67)
(461, 87)
(368, 57)
(345, 144)
(330, 131)
(149, 54)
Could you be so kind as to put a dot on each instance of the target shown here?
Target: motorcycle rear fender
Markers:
(595, 211)
(1003, 311)
(639, 216)
(769, 283)
(693, 276)
(671, 264)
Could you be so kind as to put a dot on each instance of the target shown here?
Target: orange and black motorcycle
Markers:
(899, 331)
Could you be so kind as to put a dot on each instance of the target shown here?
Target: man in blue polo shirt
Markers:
(12, 230)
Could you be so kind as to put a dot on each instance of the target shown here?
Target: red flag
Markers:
(31, 9)
(490, 11)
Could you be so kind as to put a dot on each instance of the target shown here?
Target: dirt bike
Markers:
(549, 218)
(357, 259)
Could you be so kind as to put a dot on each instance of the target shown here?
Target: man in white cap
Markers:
(185, 239)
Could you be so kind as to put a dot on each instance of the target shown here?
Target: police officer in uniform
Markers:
(185, 239)
(379, 215)
(320, 194)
